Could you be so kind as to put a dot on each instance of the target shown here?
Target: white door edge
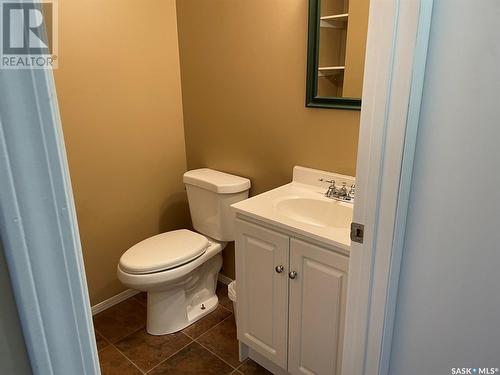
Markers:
(398, 34)
(39, 230)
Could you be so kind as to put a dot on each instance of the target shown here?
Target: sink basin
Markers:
(318, 212)
(301, 208)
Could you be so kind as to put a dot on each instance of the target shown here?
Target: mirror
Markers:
(336, 53)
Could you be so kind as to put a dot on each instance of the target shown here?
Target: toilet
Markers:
(179, 269)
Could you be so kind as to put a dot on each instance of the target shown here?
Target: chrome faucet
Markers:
(332, 190)
(340, 194)
(343, 190)
(352, 191)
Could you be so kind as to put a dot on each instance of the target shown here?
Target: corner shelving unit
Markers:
(324, 71)
(333, 18)
(336, 21)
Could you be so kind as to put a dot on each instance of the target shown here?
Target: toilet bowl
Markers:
(179, 269)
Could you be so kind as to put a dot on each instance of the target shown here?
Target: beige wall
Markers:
(120, 99)
(243, 67)
(356, 47)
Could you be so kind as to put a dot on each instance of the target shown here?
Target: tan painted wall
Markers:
(356, 47)
(243, 67)
(120, 99)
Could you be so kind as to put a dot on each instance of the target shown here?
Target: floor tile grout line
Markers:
(105, 339)
(151, 369)
(95, 329)
(242, 363)
(100, 350)
(121, 338)
(195, 340)
(112, 343)
(226, 292)
(190, 337)
(170, 356)
(211, 328)
(191, 341)
(215, 354)
(186, 336)
(128, 359)
(224, 307)
(216, 324)
(122, 353)
(128, 335)
(223, 320)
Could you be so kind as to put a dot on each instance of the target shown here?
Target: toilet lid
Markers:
(163, 251)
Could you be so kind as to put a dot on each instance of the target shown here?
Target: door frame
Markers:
(396, 53)
(39, 229)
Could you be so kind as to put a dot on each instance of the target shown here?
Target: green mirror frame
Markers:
(312, 99)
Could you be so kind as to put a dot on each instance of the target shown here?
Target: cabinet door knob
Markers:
(292, 275)
(279, 269)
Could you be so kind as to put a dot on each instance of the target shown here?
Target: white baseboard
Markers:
(104, 305)
(224, 279)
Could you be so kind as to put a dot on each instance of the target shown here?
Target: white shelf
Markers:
(330, 70)
(336, 21)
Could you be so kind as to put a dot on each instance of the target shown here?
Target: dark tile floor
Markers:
(207, 347)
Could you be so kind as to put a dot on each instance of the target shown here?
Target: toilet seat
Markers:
(163, 252)
(163, 280)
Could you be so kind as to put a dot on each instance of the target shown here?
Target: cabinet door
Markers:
(317, 308)
(262, 291)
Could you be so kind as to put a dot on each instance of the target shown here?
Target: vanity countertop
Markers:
(301, 207)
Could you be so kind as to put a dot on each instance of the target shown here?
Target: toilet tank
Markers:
(210, 195)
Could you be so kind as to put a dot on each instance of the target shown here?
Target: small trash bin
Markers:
(231, 293)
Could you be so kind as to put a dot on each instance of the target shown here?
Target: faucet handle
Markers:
(352, 191)
(343, 190)
(327, 181)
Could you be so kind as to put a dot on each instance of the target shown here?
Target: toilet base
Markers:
(164, 317)
(185, 302)
(199, 311)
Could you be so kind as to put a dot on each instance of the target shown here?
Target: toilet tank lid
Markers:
(216, 181)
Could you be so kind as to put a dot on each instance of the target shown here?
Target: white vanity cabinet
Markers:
(262, 291)
(290, 299)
